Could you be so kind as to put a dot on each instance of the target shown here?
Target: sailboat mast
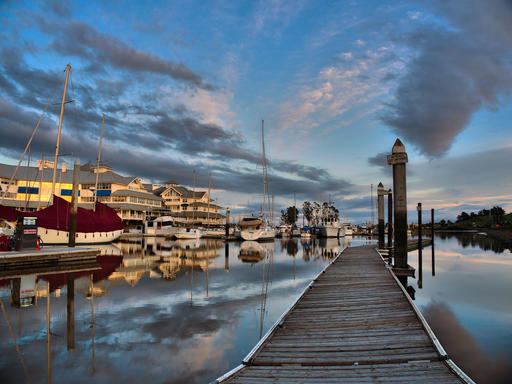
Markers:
(208, 214)
(98, 165)
(264, 166)
(68, 68)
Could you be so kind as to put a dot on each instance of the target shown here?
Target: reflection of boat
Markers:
(251, 252)
(331, 248)
(160, 226)
(188, 233)
(187, 243)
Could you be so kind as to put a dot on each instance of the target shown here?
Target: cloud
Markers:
(458, 69)
(464, 349)
(77, 38)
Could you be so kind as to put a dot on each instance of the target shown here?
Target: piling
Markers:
(398, 159)
(432, 246)
(420, 249)
(71, 311)
(380, 213)
(390, 218)
(227, 223)
(74, 205)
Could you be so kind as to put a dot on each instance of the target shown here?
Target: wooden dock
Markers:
(353, 324)
(48, 258)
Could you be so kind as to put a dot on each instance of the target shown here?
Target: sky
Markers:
(185, 85)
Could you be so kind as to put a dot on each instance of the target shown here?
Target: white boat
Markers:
(295, 232)
(347, 228)
(285, 230)
(53, 236)
(188, 233)
(160, 226)
(255, 229)
(329, 223)
(214, 233)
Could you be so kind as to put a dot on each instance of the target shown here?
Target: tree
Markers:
(442, 222)
(307, 210)
(497, 211)
(463, 216)
(290, 215)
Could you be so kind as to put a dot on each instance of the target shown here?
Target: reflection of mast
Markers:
(49, 358)
(71, 311)
(14, 339)
(191, 275)
(92, 326)
(264, 288)
(208, 214)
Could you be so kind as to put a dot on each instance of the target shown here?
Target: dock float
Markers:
(354, 323)
(48, 257)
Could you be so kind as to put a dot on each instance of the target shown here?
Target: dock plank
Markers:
(353, 324)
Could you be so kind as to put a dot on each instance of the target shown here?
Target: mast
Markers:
(263, 168)
(193, 198)
(98, 165)
(208, 214)
(68, 68)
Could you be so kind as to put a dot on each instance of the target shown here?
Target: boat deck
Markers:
(354, 324)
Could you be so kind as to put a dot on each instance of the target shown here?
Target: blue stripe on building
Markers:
(29, 190)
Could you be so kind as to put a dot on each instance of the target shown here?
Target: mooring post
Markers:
(390, 218)
(380, 213)
(74, 205)
(226, 257)
(398, 159)
(420, 249)
(71, 311)
(227, 223)
(433, 253)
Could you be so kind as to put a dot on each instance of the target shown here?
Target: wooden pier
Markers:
(354, 323)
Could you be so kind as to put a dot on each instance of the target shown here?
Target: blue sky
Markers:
(185, 85)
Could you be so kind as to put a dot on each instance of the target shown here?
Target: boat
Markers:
(188, 233)
(329, 223)
(97, 226)
(347, 228)
(306, 232)
(255, 229)
(259, 228)
(160, 226)
(214, 232)
(285, 230)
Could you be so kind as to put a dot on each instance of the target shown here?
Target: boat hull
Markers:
(324, 231)
(53, 236)
(188, 234)
(258, 234)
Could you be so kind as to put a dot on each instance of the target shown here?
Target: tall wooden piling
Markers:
(420, 248)
(432, 247)
(390, 218)
(71, 311)
(227, 223)
(398, 159)
(74, 205)
(380, 213)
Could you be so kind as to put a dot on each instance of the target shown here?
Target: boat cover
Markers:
(56, 216)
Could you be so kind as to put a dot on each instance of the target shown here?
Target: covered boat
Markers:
(101, 225)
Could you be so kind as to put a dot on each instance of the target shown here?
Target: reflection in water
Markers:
(476, 240)
(140, 293)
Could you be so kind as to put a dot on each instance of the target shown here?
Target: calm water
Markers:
(186, 312)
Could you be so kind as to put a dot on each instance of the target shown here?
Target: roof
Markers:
(85, 177)
(185, 192)
(159, 191)
(135, 207)
(198, 214)
(201, 204)
(129, 192)
(171, 182)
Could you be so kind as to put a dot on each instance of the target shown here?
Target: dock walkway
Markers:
(353, 324)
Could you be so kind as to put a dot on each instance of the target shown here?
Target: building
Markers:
(31, 190)
(189, 207)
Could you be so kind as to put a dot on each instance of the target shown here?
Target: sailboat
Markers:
(259, 228)
(100, 225)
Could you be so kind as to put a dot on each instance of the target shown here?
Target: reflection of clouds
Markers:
(463, 348)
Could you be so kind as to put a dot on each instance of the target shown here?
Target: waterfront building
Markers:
(31, 190)
(188, 207)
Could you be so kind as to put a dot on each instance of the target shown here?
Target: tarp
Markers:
(56, 216)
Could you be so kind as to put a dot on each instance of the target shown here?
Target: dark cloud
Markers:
(77, 38)
(380, 160)
(463, 349)
(59, 7)
(458, 70)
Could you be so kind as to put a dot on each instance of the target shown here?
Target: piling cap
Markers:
(398, 147)
(380, 190)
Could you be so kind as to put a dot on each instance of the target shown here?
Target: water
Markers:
(181, 312)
